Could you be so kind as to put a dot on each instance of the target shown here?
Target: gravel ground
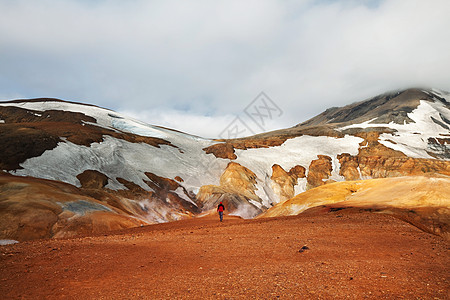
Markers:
(344, 254)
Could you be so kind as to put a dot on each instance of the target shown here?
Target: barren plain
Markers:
(348, 253)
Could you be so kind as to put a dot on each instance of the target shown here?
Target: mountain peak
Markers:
(385, 108)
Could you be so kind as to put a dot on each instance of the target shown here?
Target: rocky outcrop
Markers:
(18, 143)
(221, 150)
(439, 147)
(226, 149)
(375, 160)
(283, 182)
(236, 191)
(371, 145)
(239, 179)
(319, 171)
(92, 179)
(349, 166)
(383, 167)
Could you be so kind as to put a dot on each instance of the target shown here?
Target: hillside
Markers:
(148, 174)
(422, 201)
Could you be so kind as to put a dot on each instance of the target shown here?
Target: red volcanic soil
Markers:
(350, 254)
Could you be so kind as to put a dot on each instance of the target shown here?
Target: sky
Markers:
(204, 66)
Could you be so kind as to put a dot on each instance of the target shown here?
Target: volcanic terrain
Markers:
(320, 254)
(69, 168)
(353, 203)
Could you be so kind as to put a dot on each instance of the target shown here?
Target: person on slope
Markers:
(220, 209)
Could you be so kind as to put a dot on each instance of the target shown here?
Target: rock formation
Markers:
(319, 171)
(283, 183)
(236, 191)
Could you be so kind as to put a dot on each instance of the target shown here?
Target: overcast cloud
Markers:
(195, 65)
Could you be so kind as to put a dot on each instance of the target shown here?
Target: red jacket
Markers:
(220, 207)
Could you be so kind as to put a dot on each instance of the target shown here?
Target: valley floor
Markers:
(351, 254)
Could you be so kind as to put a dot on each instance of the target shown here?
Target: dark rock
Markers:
(303, 249)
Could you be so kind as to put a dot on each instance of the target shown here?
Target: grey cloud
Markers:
(209, 59)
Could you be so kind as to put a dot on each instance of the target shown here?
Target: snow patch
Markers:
(180, 192)
(301, 186)
(412, 139)
(8, 242)
(84, 123)
(441, 94)
(336, 165)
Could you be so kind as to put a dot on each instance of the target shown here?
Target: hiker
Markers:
(220, 209)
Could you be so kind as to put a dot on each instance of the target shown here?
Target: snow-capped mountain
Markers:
(165, 174)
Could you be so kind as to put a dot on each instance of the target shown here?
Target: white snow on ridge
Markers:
(442, 94)
(106, 118)
(412, 139)
(180, 192)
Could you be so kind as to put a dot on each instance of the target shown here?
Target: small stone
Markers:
(303, 249)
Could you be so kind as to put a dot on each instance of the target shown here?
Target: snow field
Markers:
(297, 151)
(412, 139)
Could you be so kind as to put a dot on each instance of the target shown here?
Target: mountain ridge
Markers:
(157, 174)
(391, 103)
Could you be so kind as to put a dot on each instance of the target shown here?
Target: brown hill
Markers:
(422, 201)
(32, 208)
